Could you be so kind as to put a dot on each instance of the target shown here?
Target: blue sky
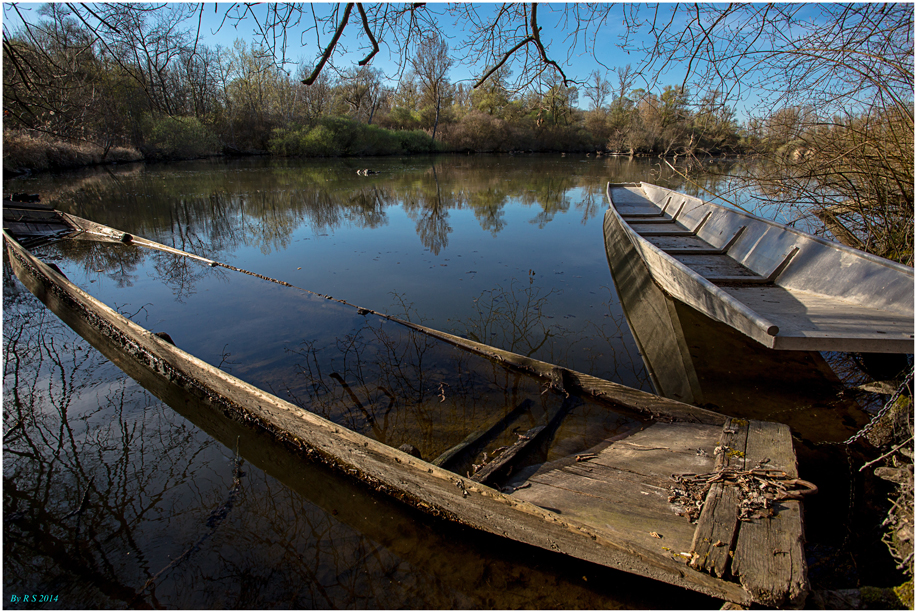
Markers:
(580, 63)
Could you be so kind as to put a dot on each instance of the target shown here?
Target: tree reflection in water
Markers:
(403, 387)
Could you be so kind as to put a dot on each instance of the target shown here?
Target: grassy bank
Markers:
(35, 152)
(174, 139)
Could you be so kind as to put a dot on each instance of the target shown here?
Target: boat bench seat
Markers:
(720, 268)
(802, 314)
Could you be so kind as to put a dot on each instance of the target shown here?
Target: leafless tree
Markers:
(362, 91)
(597, 90)
(431, 65)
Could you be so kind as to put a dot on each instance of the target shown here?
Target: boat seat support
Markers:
(685, 233)
(648, 216)
(723, 251)
(782, 265)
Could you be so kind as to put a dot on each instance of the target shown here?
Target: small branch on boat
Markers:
(757, 489)
(643, 447)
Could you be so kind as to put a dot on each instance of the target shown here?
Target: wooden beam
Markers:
(717, 527)
(770, 553)
(499, 466)
(477, 440)
(533, 437)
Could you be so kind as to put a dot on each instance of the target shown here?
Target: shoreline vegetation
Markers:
(26, 152)
(174, 138)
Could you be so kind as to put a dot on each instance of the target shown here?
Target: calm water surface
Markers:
(113, 498)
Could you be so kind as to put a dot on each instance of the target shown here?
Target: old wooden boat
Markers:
(785, 289)
(615, 503)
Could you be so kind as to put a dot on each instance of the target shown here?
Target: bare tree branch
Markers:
(368, 31)
(330, 48)
(536, 35)
(504, 59)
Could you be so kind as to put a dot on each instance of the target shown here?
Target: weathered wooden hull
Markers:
(785, 289)
(417, 482)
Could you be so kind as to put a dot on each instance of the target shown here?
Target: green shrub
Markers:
(320, 141)
(339, 136)
(400, 118)
(177, 138)
(417, 141)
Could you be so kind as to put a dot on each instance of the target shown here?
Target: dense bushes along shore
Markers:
(180, 138)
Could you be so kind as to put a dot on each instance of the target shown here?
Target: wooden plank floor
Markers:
(625, 486)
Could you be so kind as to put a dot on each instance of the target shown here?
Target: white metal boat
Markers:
(785, 289)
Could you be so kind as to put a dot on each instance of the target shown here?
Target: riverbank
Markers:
(25, 153)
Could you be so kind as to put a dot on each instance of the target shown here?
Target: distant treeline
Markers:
(155, 93)
(152, 91)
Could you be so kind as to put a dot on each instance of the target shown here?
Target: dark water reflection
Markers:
(358, 369)
(114, 499)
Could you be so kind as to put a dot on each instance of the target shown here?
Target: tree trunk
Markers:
(436, 123)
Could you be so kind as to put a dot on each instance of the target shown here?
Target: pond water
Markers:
(113, 498)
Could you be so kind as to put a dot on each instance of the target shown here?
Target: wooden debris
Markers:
(489, 472)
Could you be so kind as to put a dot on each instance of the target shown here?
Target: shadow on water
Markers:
(116, 496)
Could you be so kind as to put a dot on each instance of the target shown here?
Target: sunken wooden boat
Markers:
(711, 529)
(785, 289)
